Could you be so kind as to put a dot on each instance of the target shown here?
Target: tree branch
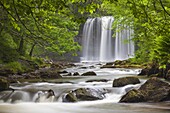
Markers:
(21, 20)
(8, 11)
(164, 8)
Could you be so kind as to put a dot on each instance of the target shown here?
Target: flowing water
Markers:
(99, 45)
(32, 97)
(124, 46)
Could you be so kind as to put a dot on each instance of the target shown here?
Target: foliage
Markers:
(15, 67)
(38, 24)
(32, 27)
(150, 19)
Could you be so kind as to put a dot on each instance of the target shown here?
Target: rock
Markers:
(121, 62)
(83, 67)
(153, 90)
(90, 73)
(62, 72)
(61, 65)
(6, 72)
(125, 81)
(108, 66)
(49, 74)
(84, 94)
(143, 72)
(67, 74)
(87, 67)
(133, 96)
(110, 63)
(151, 69)
(129, 88)
(76, 74)
(47, 96)
(4, 83)
(164, 72)
(98, 80)
(30, 76)
(125, 64)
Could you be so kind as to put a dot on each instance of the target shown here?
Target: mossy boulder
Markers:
(120, 82)
(48, 73)
(108, 65)
(121, 62)
(89, 73)
(62, 65)
(153, 90)
(84, 94)
(143, 72)
(133, 96)
(155, 69)
(4, 83)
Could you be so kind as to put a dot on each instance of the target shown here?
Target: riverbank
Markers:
(39, 70)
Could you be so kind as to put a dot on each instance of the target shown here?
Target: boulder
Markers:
(143, 72)
(151, 69)
(49, 74)
(120, 82)
(133, 96)
(76, 74)
(4, 83)
(89, 73)
(84, 94)
(153, 90)
(62, 72)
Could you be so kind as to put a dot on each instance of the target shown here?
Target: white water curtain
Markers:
(100, 46)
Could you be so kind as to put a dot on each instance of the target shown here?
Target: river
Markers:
(23, 99)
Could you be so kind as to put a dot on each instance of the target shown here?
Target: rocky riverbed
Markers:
(92, 88)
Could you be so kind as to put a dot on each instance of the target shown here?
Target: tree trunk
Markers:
(21, 46)
(32, 49)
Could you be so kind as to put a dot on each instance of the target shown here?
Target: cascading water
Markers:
(92, 39)
(97, 39)
(106, 52)
(47, 97)
(124, 46)
(98, 44)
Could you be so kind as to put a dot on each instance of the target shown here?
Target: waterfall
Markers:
(92, 39)
(106, 52)
(124, 46)
(99, 45)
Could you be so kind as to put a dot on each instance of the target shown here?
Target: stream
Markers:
(31, 97)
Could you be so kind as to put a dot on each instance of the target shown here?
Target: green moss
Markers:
(70, 97)
(14, 67)
(38, 61)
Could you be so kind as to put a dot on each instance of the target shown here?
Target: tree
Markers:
(42, 23)
(151, 20)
